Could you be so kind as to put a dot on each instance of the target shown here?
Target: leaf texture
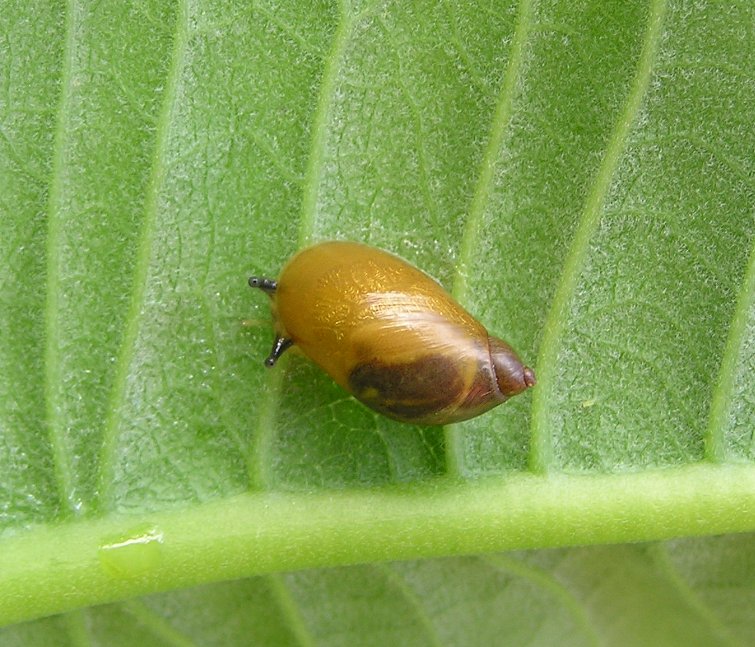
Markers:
(579, 175)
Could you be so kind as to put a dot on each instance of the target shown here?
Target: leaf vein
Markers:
(265, 431)
(550, 583)
(290, 609)
(541, 448)
(143, 256)
(481, 196)
(414, 601)
(157, 625)
(62, 460)
(419, 130)
(659, 552)
(316, 158)
(723, 391)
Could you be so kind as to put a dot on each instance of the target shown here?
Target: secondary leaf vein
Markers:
(157, 625)
(316, 158)
(481, 196)
(265, 431)
(541, 456)
(547, 582)
(144, 252)
(290, 610)
(63, 468)
(414, 602)
(723, 392)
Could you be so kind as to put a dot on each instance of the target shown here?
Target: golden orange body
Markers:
(390, 335)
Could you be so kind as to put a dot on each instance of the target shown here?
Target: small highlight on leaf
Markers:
(133, 554)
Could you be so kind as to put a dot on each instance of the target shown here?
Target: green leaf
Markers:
(579, 175)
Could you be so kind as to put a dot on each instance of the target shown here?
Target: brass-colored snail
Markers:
(390, 335)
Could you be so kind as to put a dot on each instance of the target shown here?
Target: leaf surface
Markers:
(579, 175)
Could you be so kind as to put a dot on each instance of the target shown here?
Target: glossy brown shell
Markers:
(392, 336)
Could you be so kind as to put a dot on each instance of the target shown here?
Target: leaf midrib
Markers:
(52, 569)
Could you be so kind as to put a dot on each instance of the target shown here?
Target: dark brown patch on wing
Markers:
(408, 391)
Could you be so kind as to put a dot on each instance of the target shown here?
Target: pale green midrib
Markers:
(410, 596)
(723, 392)
(52, 569)
(481, 196)
(290, 610)
(541, 456)
(659, 551)
(548, 582)
(141, 266)
(62, 461)
(259, 463)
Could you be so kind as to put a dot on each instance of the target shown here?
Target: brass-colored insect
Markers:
(390, 335)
